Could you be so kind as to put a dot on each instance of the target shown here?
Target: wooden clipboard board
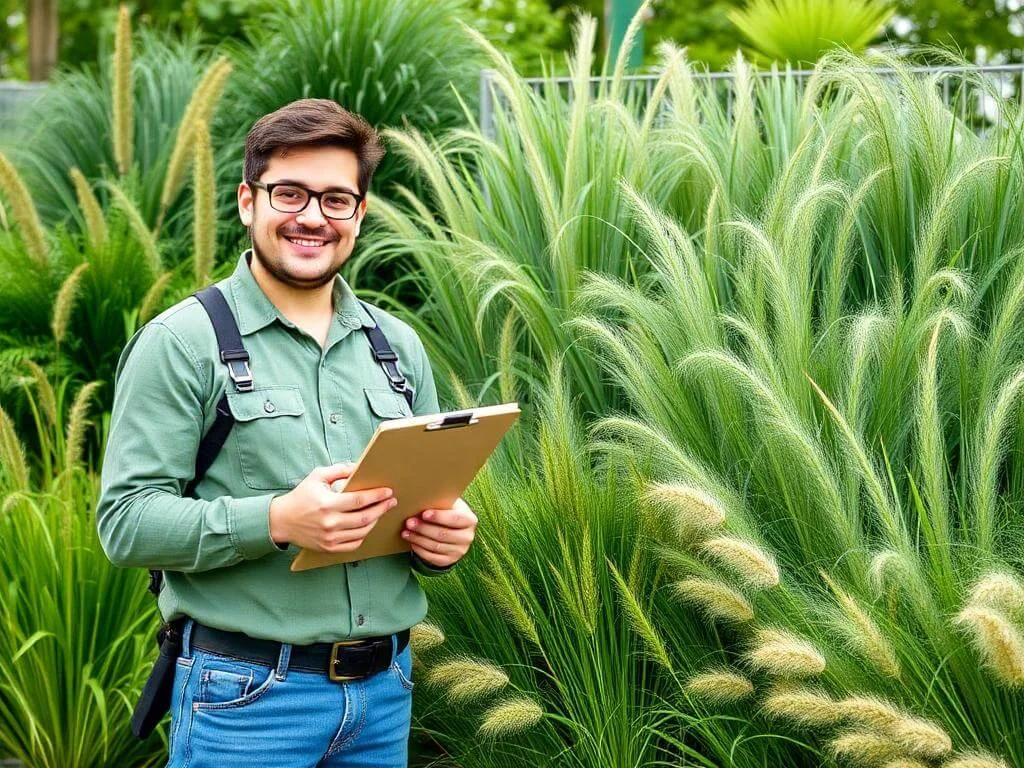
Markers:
(428, 461)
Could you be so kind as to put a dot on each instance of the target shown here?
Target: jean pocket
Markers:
(228, 684)
(405, 678)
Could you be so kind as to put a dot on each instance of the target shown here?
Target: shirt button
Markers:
(360, 619)
(269, 407)
(355, 563)
(334, 418)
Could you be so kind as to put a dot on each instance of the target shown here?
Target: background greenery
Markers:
(764, 504)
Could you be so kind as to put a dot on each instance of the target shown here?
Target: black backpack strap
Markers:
(387, 358)
(234, 355)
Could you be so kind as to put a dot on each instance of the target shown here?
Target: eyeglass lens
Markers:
(335, 205)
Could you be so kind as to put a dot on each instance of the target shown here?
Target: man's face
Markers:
(327, 243)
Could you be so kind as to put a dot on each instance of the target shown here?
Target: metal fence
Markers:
(15, 96)
(973, 92)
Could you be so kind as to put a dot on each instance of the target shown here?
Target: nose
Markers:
(312, 216)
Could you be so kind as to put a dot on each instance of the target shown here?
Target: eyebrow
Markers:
(298, 183)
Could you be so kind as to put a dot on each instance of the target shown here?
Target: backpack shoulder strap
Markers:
(234, 355)
(386, 357)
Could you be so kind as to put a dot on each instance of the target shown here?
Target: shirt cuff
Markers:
(249, 526)
(422, 566)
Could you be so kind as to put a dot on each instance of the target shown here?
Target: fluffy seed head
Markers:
(715, 600)
(77, 422)
(802, 706)
(719, 687)
(863, 635)
(864, 748)
(425, 636)
(997, 641)
(1001, 591)
(922, 738)
(510, 716)
(695, 512)
(65, 302)
(905, 762)
(976, 760)
(751, 563)
(785, 655)
(466, 679)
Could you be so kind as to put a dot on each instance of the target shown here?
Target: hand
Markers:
(314, 516)
(442, 537)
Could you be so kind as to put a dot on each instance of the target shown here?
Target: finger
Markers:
(451, 518)
(434, 546)
(360, 499)
(432, 558)
(359, 518)
(337, 471)
(440, 533)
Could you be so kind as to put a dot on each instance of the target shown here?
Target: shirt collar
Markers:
(255, 311)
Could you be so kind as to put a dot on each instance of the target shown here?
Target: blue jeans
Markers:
(226, 713)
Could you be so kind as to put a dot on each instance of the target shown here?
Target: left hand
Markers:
(442, 537)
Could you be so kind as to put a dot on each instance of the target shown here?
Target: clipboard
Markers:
(428, 461)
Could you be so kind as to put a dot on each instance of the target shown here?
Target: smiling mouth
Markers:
(308, 242)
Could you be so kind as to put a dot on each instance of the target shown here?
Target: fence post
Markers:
(486, 104)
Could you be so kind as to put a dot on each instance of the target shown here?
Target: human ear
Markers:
(245, 203)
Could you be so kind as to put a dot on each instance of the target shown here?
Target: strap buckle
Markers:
(332, 669)
(238, 369)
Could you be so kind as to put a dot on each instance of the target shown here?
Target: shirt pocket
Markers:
(385, 404)
(271, 437)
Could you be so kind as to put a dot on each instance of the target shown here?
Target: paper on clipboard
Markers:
(428, 461)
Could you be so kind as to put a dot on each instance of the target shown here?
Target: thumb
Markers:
(336, 471)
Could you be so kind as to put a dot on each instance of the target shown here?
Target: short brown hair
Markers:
(312, 123)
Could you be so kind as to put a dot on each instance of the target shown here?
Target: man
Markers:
(258, 677)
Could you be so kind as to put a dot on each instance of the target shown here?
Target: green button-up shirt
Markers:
(311, 407)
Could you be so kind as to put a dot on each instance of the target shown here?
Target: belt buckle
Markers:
(334, 659)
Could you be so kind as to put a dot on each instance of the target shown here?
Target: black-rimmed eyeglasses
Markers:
(292, 198)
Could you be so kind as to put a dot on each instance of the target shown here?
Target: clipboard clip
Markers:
(455, 420)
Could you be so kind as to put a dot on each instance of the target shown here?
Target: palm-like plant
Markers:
(801, 31)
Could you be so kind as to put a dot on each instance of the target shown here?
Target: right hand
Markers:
(313, 516)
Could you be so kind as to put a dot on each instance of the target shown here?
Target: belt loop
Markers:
(186, 639)
(283, 658)
(394, 647)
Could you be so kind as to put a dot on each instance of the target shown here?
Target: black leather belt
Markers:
(341, 662)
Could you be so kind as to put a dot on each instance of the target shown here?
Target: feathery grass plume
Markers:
(200, 109)
(12, 455)
(802, 706)
(77, 422)
(864, 748)
(122, 101)
(425, 636)
(997, 641)
(23, 210)
(140, 230)
(510, 716)
(715, 600)
(65, 302)
(719, 687)
(506, 359)
(204, 219)
(976, 760)
(1001, 591)
(783, 654)
(862, 633)
(751, 563)
(95, 224)
(885, 565)
(151, 301)
(506, 598)
(638, 619)
(922, 738)
(44, 391)
(905, 762)
(466, 679)
(694, 511)
(918, 736)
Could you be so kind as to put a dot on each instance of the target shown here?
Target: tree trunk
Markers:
(43, 26)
